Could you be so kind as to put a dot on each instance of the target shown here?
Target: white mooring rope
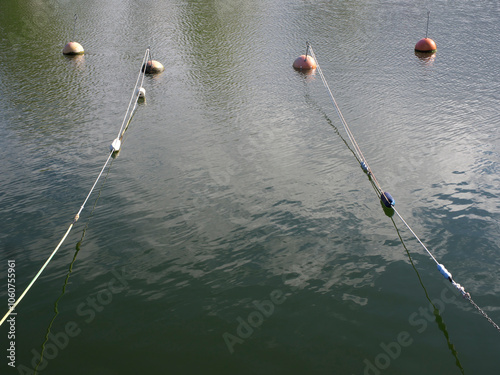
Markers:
(113, 148)
(364, 165)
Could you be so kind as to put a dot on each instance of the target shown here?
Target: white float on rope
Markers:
(141, 92)
(115, 145)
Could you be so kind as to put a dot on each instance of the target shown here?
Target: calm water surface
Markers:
(235, 233)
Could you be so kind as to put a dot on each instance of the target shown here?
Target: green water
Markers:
(235, 233)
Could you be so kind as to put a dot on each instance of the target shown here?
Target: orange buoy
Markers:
(73, 48)
(153, 67)
(425, 45)
(304, 62)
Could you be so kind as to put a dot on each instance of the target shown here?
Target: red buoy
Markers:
(425, 45)
(304, 62)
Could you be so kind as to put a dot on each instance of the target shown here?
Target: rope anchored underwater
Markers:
(114, 148)
(386, 198)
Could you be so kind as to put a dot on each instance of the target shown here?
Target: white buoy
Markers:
(73, 48)
(153, 67)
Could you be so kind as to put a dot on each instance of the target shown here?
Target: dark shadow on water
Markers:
(70, 270)
(56, 310)
(439, 319)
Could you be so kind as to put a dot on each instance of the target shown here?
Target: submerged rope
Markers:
(364, 165)
(113, 148)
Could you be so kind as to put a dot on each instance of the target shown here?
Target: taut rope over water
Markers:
(364, 165)
(115, 147)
